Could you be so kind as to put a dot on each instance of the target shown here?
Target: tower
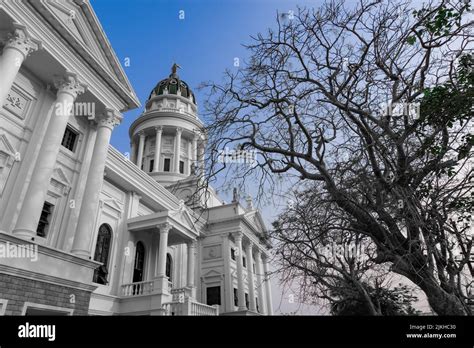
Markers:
(167, 139)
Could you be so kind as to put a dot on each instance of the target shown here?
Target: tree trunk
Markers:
(439, 300)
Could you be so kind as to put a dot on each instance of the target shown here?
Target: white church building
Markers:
(87, 230)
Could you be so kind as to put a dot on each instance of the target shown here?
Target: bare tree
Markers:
(318, 100)
(317, 251)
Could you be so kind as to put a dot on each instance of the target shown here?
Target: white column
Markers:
(19, 45)
(268, 291)
(162, 251)
(90, 201)
(68, 89)
(156, 165)
(250, 278)
(133, 151)
(260, 282)
(191, 259)
(201, 159)
(195, 154)
(177, 151)
(141, 148)
(240, 272)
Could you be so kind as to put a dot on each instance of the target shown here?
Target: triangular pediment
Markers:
(72, 17)
(60, 176)
(78, 24)
(113, 204)
(211, 273)
(5, 146)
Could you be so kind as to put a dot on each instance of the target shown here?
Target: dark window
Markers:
(169, 265)
(236, 298)
(44, 220)
(181, 167)
(152, 163)
(102, 254)
(167, 165)
(256, 303)
(247, 300)
(69, 139)
(139, 263)
(232, 253)
(213, 295)
(244, 261)
(254, 268)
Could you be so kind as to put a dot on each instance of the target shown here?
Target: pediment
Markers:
(6, 147)
(211, 273)
(60, 177)
(77, 22)
(72, 17)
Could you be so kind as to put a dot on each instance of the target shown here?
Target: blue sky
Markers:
(151, 35)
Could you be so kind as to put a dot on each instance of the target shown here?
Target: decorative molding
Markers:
(69, 84)
(110, 118)
(21, 41)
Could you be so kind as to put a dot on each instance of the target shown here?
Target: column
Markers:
(177, 150)
(201, 159)
(68, 89)
(240, 272)
(141, 148)
(260, 280)
(194, 154)
(156, 165)
(191, 259)
(85, 226)
(133, 151)
(162, 251)
(250, 278)
(268, 291)
(19, 45)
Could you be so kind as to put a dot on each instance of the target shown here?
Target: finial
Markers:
(174, 68)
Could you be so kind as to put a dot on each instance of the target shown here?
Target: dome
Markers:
(172, 85)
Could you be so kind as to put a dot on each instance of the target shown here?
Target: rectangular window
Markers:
(247, 300)
(69, 139)
(167, 165)
(256, 303)
(152, 164)
(45, 219)
(244, 261)
(236, 298)
(254, 268)
(232, 253)
(181, 167)
(213, 295)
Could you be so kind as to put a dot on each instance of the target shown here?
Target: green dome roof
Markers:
(172, 84)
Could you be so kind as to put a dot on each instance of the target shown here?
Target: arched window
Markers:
(139, 263)
(102, 250)
(169, 267)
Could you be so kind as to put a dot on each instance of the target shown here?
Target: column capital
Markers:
(179, 130)
(159, 129)
(141, 134)
(110, 118)
(21, 41)
(249, 246)
(237, 236)
(164, 227)
(69, 83)
(191, 243)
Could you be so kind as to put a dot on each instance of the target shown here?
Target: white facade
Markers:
(125, 233)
